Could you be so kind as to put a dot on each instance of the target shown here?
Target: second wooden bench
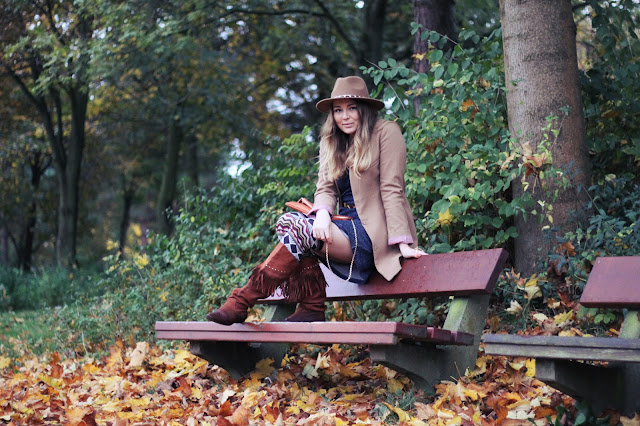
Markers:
(614, 282)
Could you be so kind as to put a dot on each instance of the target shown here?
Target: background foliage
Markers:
(256, 154)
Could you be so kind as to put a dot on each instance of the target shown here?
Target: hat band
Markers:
(350, 96)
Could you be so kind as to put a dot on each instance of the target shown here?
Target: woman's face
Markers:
(346, 115)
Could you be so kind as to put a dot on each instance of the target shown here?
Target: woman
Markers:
(362, 164)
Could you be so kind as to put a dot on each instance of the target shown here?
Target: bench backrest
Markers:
(460, 273)
(614, 282)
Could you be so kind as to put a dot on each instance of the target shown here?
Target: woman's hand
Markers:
(408, 252)
(322, 227)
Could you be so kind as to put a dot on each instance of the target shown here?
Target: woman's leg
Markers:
(263, 282)
(340, 247)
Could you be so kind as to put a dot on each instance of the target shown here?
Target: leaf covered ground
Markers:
(335, 385)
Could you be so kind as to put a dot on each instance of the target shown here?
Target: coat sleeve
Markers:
(393, 158)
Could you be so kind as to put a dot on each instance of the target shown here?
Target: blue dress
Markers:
(363, 264)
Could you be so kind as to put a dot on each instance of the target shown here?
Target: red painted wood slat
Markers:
(614, 282)
(348, 332)
(458, 274)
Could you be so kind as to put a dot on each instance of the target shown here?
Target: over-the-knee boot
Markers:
(307, 286)
(263, 282)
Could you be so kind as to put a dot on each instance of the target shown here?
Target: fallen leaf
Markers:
(138, 355)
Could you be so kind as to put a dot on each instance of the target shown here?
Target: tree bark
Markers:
(192, 160)
(27, 236)
(167, 192)
(4, 243)
(67, 150)
(128, 192)
(542, 76)
(372, 32)
(432, 15)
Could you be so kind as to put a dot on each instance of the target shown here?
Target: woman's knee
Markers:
(290, 220)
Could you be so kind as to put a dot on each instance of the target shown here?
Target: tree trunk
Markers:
(372, 32)
(4, 244)
(67, 150)
(128, 192)
(542, 76)
(431, 15)
(27, 235)
(192, 160)
(170, 177)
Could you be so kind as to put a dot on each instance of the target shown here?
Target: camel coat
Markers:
(380, 198)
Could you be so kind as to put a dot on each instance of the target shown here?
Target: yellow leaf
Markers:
(138, 355)
(264, 367)
(533, 292)
(403, 416)
(564, 317)
(515, 308)
(141, 261)
(531, 367)
(4, 362)
(540, 317)
(516, 365)
(471, 394)
(445, 218)
(394, 385)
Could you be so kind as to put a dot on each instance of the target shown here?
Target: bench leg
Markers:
(616, 386)
(427, 365)
(240, 358)
(602, 387)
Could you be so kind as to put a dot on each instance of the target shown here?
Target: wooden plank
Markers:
(614, 282)
(284, 337)
(458, 274)
(348, 332)
(561, 347)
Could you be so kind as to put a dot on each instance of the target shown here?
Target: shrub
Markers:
(219, 236)
(461, 161)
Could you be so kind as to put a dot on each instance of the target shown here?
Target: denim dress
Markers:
(363, 264)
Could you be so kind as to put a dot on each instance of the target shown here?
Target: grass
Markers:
(39, 332)
(25, 332)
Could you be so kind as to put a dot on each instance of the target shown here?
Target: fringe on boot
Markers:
(307, 286)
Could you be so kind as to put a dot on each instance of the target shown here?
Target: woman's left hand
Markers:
(408, 252)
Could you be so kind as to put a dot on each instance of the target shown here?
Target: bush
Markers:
(611, 95)
(219, 236)
(461, 161)
(51, 287)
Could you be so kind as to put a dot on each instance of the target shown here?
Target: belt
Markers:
(348, 206)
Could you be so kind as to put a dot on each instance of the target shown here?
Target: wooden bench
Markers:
(614, 282)
(426, 354)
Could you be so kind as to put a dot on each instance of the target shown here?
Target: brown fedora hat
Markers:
(346, 88)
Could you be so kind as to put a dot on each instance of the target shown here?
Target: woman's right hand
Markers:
(322, 226)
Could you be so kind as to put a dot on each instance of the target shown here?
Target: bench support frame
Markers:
(427, 364)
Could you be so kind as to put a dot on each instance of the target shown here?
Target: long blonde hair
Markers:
(338, 151)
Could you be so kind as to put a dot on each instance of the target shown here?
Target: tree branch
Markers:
(338, 27)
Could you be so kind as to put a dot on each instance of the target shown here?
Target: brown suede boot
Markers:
(307, 286)
(263, 282)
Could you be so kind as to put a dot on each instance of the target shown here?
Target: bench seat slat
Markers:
(459, 274)
(347, 332)
(614, 282)
(561, 347)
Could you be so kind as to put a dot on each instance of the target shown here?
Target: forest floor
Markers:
(143, 384)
